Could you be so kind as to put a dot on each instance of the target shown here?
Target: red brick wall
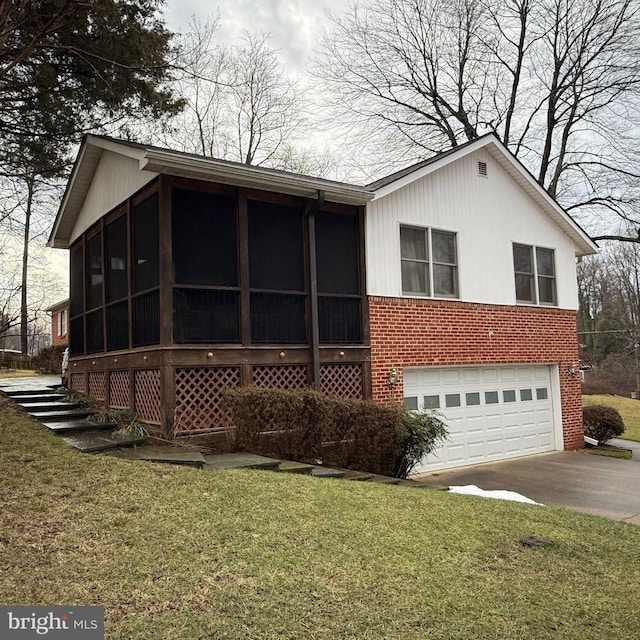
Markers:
(414, 332)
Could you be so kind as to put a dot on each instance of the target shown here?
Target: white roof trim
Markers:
(584, 244)
(164, 161)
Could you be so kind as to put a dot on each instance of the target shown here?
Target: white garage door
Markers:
(492, 413)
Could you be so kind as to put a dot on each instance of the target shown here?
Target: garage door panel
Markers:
(492, 413)
(471, 377)
(495, 447)
(507, 375)
(452, 377)
(489, 375)
(474, 424)
(430, 379)
(455, 453)
(513, 444)
(545, 441)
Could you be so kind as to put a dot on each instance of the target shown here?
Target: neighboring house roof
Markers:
(518, 172)
(158, 160)
(58, 306)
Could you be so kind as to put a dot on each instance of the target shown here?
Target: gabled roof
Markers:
(58, 306)
(507, 161)
(164, 161)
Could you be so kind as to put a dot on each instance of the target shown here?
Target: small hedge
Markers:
(307, 426)
(49, 359)
(602, 423)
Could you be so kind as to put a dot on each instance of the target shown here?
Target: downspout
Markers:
(314, 207)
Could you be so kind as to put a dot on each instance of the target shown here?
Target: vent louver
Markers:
(482, 169)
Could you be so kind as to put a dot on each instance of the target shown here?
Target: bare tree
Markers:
(27, 198)
(556, 80)
(266, 103)
(201, 77)
(240, 103)
(23, 307)
(609, 293)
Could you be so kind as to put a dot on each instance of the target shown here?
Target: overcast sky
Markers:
(293, 24)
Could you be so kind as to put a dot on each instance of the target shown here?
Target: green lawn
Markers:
(629, 410)
(18, 373)
(176, 553)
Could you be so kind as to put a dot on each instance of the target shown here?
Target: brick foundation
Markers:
(415, 332)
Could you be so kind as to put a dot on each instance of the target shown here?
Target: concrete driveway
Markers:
(577, 480)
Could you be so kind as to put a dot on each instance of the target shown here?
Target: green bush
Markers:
(423, 434)
(307, 426)
(602, 423)
(362, 435)
(49, 359)
(286, 424)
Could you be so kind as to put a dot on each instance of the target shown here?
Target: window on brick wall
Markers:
(535, 276)
(429, 262)
(62, 323)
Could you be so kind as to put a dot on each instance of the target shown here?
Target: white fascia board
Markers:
(436, 165)
(79, 182)
(161, 161)
(584, 244)
(71, 200)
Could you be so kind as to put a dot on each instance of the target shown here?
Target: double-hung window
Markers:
(429, 262)
(535, 276)
(62, 323)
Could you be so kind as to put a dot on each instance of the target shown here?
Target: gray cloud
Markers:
(293, 24)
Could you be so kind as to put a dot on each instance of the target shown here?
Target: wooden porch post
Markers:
(312, 208)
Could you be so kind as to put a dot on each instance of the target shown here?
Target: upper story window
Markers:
(62, 323)
(429, 262)
(535, 275)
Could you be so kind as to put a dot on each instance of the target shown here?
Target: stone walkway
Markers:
(43, 399)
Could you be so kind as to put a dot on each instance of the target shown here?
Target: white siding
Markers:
(116, 178)
(487, 213)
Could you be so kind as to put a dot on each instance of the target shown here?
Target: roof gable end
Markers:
(497, 150)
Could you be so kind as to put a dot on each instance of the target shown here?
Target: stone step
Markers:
(71, 426)
(163, 454)
(357, 476)
(39, 397)
(326, 472)
(416, 484)
(96, 441)
(384, 479)
(26, 391)
(55, 416)
(32, 407)
(239, 461)
(287, 466)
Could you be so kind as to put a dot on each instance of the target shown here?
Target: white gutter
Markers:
(160, 161)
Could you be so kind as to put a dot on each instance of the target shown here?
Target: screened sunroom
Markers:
(189, 275)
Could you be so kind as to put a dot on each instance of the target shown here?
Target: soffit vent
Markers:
(482, 169)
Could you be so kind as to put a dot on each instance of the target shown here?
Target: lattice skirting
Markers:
(147, 395)
(344, 380)
(97, 384)
(281, 376)
(78, 382)
(198, 397)
(119, 389)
